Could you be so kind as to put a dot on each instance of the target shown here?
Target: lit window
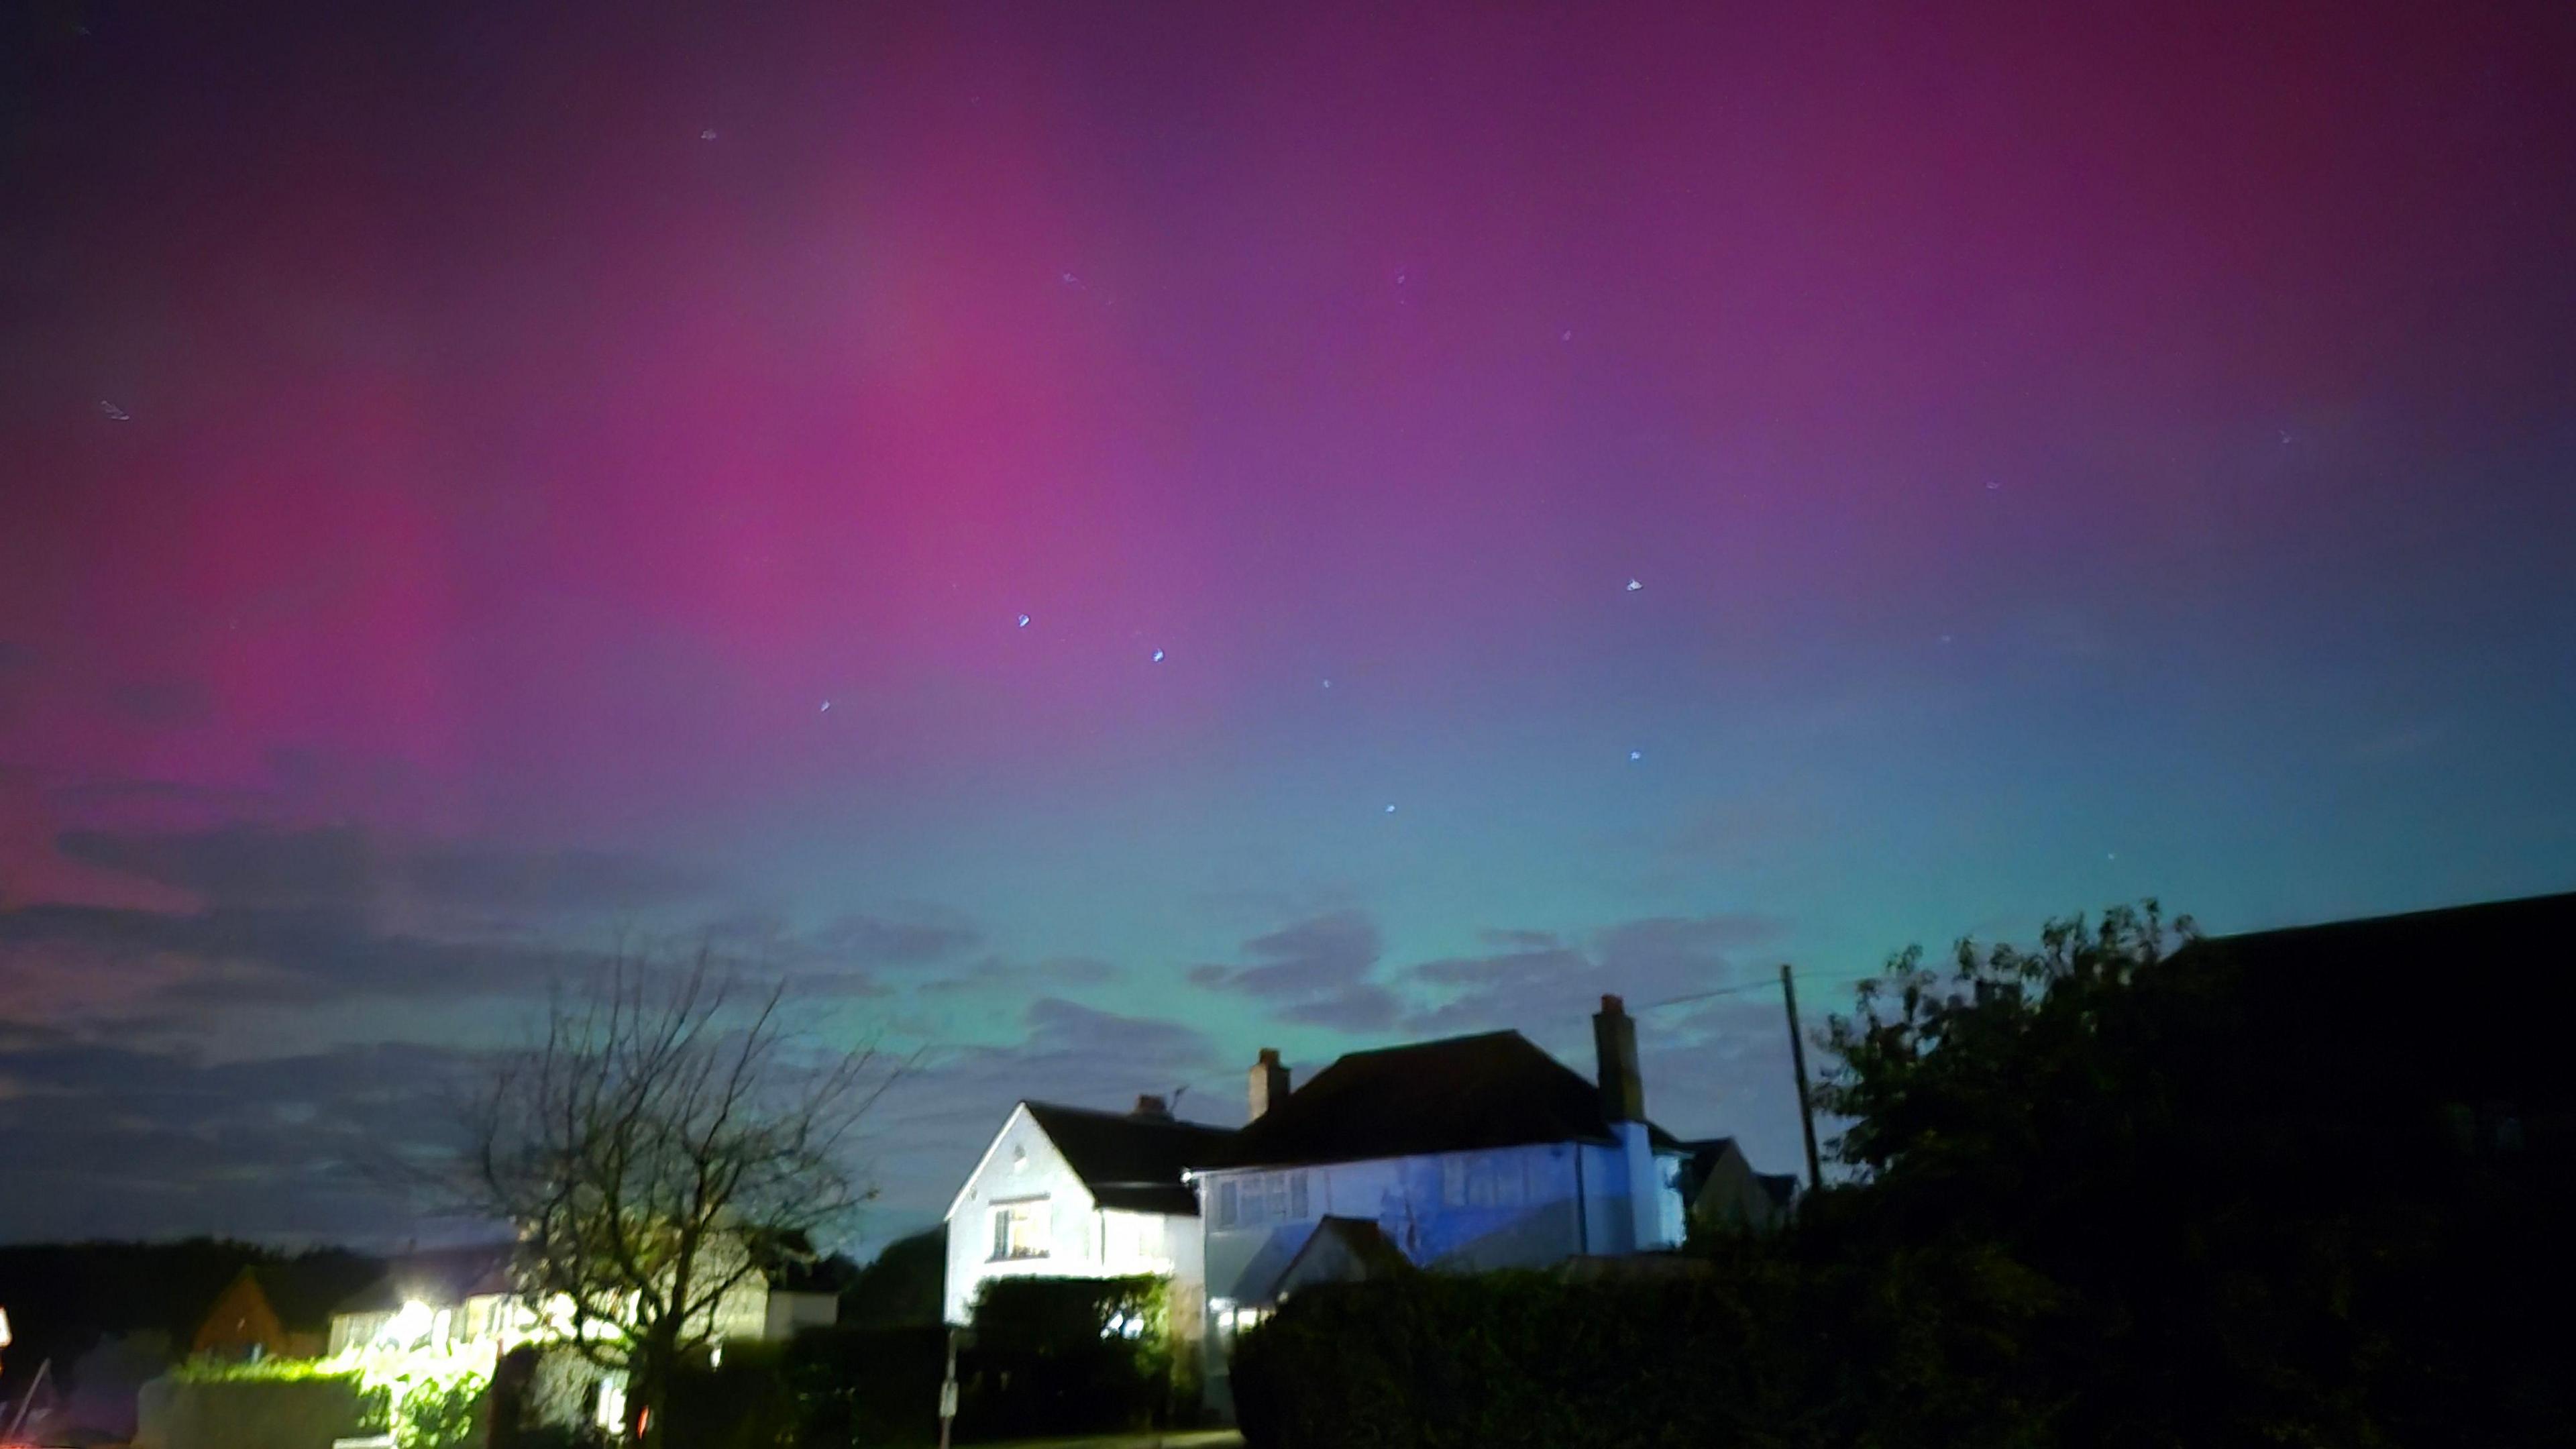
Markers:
(1020, 1229)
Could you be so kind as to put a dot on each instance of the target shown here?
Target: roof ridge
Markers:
(1437, 1041)
(2392, 917)
(1107, 1115)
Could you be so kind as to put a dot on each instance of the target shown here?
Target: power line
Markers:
(1747, 986)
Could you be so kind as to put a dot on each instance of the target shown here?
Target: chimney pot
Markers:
(1152, 1108)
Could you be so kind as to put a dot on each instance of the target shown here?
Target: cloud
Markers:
(921, 939)
(240, 865)
(995, 975)
(1540, 980)
(1317, 971)
(107, 1141)
(1658, 945)
(143, 960)
(1055, 1023)
(265, 866)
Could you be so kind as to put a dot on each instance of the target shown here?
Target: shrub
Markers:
(439, 1411)
(1507, 1359)
(1071, 1356)
(744, 1402)
(867, 1388)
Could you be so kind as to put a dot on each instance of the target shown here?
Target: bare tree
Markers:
(669, 1137)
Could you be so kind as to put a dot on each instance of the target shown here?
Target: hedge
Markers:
(867, 1388)
(1056, 1356)
(1498, 1360)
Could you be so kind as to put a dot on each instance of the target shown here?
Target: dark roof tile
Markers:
(1461, 1094)
(1130, 1163)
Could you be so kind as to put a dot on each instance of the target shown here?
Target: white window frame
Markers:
(1010, 1246)
(1263, 1199)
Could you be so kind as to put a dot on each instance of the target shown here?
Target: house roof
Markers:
(1128, 1162)
(443, 1277)
(2467, 1000)
(1364, 1245)
(1707, 1152)
(241, 1315)
(1460, 1094)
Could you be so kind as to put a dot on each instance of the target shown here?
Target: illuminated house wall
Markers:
(1029, 1210)
(1459, 1155)
(430, 1311)
(1515, 1207)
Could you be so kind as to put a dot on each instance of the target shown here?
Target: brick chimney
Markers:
(1623, 1101)
(1614, 1041)
(1150, 1108)
(1269, 1083)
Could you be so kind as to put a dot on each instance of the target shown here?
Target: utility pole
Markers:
(1798, 1063)
(948, 1392)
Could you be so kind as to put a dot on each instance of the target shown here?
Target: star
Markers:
(826, 709)
(1158, 656)
(1565, 336)
(1390, 810)
(708, 134)
(1328, 684)
(1634, 586)
(114, 413)
(1024, 621)
(1994, 487)
(1636, 755)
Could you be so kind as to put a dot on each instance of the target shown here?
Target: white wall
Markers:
(1021, 1163)
(1521, 1211)
(1084, 1240)
(1524, 1207)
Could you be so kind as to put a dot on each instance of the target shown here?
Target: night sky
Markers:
(1100, 537)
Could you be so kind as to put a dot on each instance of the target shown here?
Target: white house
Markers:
(1464, 1154)
(1066, 1192)
(463, 1299)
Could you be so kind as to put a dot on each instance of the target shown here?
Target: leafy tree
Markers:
(670, 1139)
(901, 1286)
(2153, 1208)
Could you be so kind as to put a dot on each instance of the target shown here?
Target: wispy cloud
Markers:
(1539, 977)
(1317, 971)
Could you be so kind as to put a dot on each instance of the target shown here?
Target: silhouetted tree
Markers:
(901, 1286)
(2112, 1184)
(667, 1140)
